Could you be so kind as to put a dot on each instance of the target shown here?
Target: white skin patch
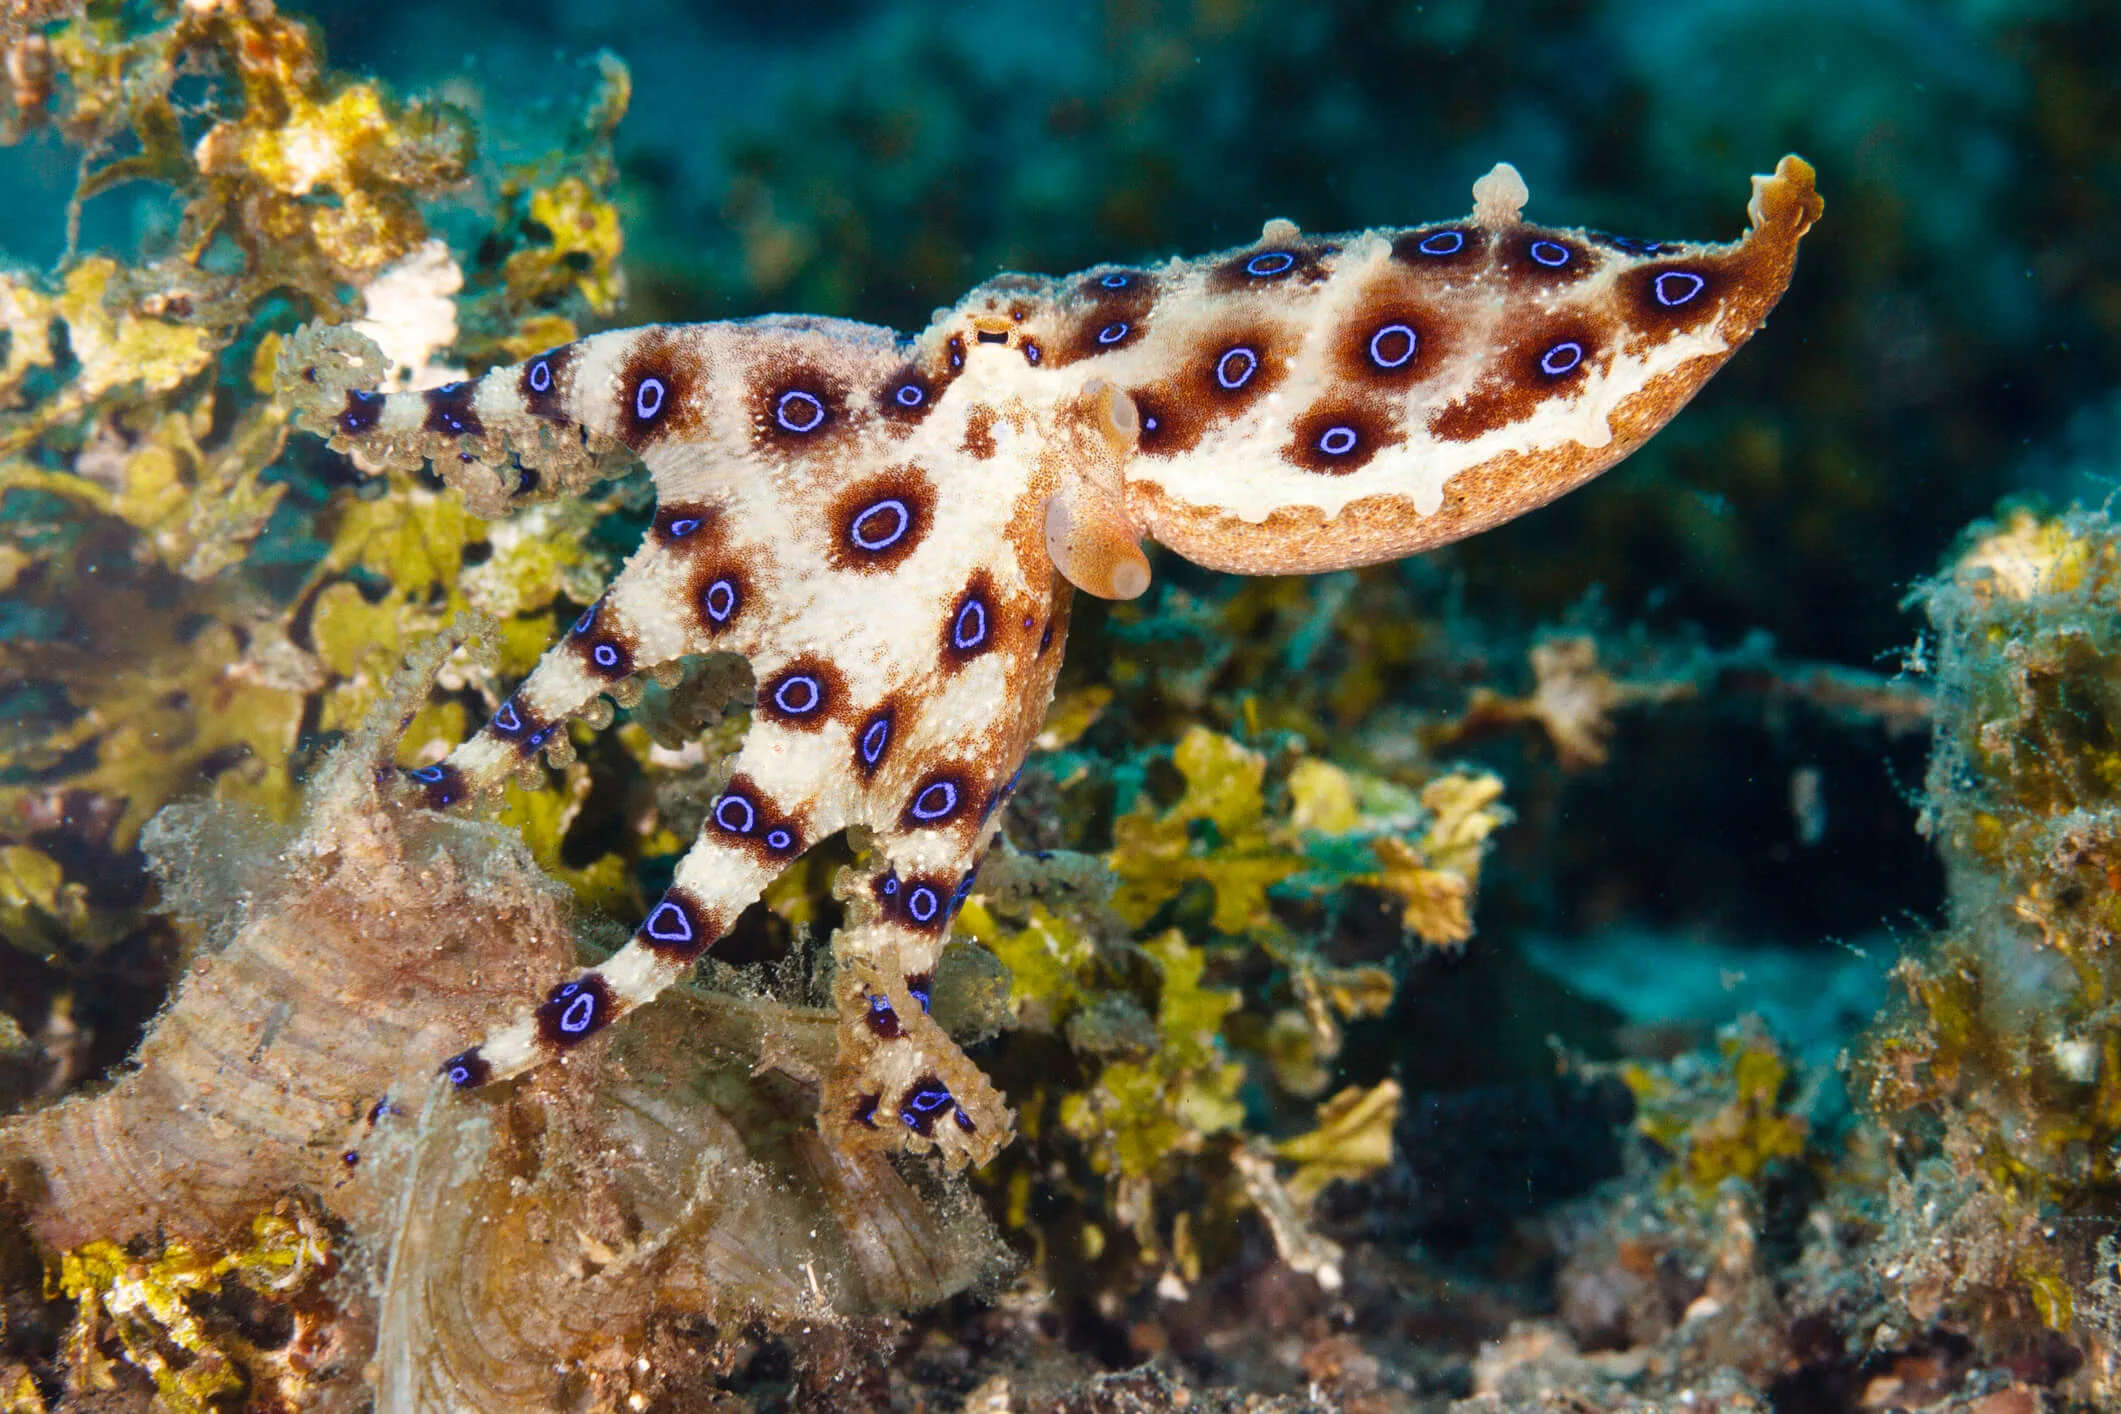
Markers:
(898, 519)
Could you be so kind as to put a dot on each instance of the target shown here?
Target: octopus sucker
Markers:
(880, 525)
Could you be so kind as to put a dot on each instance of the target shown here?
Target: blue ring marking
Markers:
(461, 1074)
(507, 719)
(874, 740)
(779, 839)
(796, 424)
(648, 399)
(719, 600)
(751, 814)
(581, 625)
(964, 1121)
(1112, 333)
(1562, 358)
(1031, 352)
(1636, 244)
(910, 395)
(540, 376)
(369, 405)
(890, 884)
(922, 904)
(676, 928)
(580, 1013)
(1670, 301)
(679, 529)
(1116, 282)
(1222, 367)
(885, 542)
(919, 994)
(1442, 243)
(1267, 264)
(810, 703)
(946, 803)
(538, 738)
(429, 774)
(1549, 254)
(1413, 343)
(924, 1104)
(963, 638)
(1338, 441)
(606, 656)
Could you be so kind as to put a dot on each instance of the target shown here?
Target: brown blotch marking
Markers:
(1470, 254)
(880, 1017)
(909, 381)
(1639, 290)
(907, 485)
(1318, 433)
(603, 644)
(673, 363)
(942, 798)
(976, 623)
(721, 593)
(449, 411)
(574, 1011)
(680, 926)
(1516, 385)
(825, 700)
(687, 527)
(363, 408)
(762, 830)
(441, 785)
(979, 432)
(926, 1101)
(1095, 308)
(813, 404)
(547, 402)
(1518, 257)
(1368, 340)
(1306, 267)
(1179, 410)
(872, 750)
